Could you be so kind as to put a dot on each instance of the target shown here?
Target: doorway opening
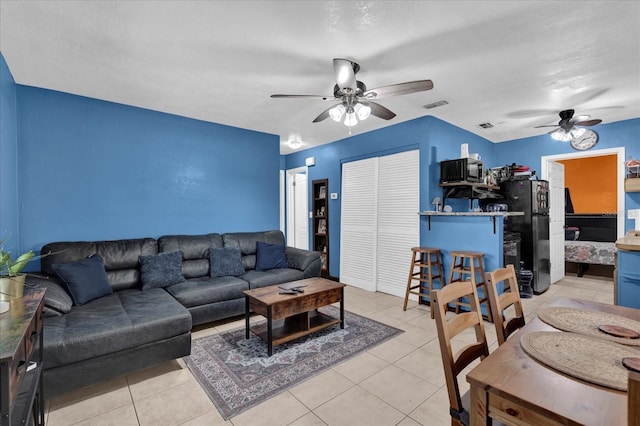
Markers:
(619, 173)
(297, 208)
(619, 152)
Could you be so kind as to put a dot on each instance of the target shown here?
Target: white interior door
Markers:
(555, 176)
(398, 220)
(297, 193)
(301, 211)
(359, 223)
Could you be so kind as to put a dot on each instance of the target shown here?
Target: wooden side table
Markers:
(21, 366)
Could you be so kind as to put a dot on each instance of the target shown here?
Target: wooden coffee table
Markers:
(290, 316)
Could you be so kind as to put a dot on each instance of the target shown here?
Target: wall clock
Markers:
(586, 140)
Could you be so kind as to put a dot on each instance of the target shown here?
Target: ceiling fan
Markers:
(566, 128)
(354, 98)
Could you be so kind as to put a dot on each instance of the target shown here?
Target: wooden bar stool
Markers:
(425, 259)
(473, 270)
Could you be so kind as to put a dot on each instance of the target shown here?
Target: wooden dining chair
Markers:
(499, 303)
(633, 403)
(447, 330)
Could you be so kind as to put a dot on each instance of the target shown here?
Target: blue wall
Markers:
(611, 135)
(91, 170)
(436, 139)
(8, 160)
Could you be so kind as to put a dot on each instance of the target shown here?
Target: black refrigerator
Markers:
(532, 198)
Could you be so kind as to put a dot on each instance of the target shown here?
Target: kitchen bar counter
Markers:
(630, 242)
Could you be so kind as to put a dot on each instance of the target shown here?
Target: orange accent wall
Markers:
(592, 183)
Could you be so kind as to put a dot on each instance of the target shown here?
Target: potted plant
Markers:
(11, 280)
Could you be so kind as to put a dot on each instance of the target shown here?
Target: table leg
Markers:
(269, 332)
(246, 316)
(478, 414)
(342, 308)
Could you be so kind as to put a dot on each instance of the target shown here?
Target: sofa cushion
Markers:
(202, 291)
(85, 279)
(259, 279)
(161, 270)
(225, 261)
(119, 321)
(270, 256)
(195, 251)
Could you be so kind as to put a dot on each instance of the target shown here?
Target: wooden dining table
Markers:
(511, 387)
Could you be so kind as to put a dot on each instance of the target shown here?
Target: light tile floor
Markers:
(399, 382)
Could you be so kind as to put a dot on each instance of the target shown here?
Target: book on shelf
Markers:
(322, 192)
(322, 226)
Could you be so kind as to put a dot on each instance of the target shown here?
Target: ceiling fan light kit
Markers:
(568, 130)
(355, 100)
(565, 136)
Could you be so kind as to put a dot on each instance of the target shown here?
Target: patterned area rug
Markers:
(237, 374)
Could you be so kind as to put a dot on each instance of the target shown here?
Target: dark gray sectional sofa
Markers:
(132, 328)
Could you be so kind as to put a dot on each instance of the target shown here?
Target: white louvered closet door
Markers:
(380, 222)
(358, 223)
(398, 220)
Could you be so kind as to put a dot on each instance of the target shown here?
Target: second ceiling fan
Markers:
(355, 99)
(566, 128)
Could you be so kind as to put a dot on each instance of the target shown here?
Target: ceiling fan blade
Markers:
(554, 130)
(546, 125)
(399, 89)
(345, 73)
(589, 122)
(279, 96)
(380, 111)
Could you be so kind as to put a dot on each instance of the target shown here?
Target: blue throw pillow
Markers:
(270, 256)
(85, 280)
(161, 270)
(225, 262)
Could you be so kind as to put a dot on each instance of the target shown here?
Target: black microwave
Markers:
(461, 170)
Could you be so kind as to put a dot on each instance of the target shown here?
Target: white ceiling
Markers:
(514, 64)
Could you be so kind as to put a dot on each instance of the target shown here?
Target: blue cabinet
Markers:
(628, 279)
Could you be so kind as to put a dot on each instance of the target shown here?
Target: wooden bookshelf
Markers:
(320, 189)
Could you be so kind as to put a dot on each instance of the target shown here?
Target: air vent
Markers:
(435, 104)
(485, 125)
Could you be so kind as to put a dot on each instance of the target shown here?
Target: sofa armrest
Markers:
(56, 298)
(305, 260)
